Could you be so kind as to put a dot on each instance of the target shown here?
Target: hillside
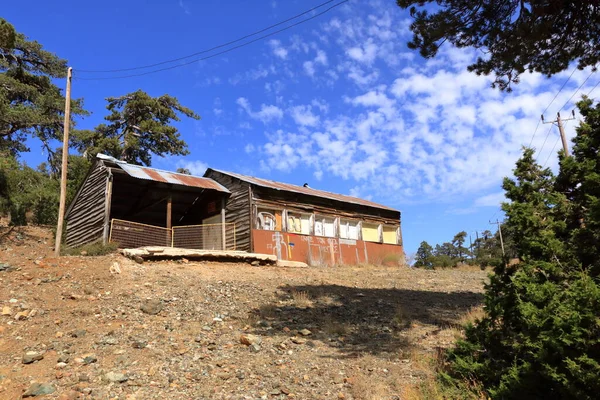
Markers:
(107, 327)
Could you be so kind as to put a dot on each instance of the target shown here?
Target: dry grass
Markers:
(464, 267)
(365, 388)
(335, 328)
(474, 313)
(301, 299)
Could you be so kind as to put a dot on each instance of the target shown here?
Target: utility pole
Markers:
(63, 172)
(500, 233)
(561, 129)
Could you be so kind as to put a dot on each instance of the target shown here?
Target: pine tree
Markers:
(540, 336)
(424, 256)
(31, 105)
(137, 127)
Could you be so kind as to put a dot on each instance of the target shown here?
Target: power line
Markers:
(212, 48)
(579, 88)
(551, 151)
(554, 147)
(543, 144)
(220, 52)
(592, 89)
(548, 106)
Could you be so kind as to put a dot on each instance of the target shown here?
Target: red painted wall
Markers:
(315, 250)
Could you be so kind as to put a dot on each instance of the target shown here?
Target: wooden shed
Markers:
(299, 223)
(146, 203)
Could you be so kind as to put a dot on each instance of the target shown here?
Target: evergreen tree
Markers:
(515, 36)
(458, 242)
(31, 105)
(540, 336)
(579, 178)
(137, 127)
(424, 256)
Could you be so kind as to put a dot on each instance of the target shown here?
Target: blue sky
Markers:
(339, 102)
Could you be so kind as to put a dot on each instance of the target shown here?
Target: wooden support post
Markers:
(63, 172)
(107, 204)
(169, 206)
(223, 233)
(170, 238)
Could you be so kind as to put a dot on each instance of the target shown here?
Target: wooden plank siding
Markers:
(85, 217)
(237, 210)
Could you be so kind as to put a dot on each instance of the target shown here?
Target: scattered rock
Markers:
(254, 347)
(6, 311)
(248, 339)
(298, 340)
(255, 263)
(70, 395)
(89, 359)
(152, 306)
(139, 344)
(32, 356)
(6, 268)
(115, 268)
(305, 332)
(39, 389)
(79, 333)
(116, 377)
(21, 315)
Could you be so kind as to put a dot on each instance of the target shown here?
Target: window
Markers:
(349, 229)
(268, 220)
(390, 234)
(298, 223)
(324, 226)
(370, 232)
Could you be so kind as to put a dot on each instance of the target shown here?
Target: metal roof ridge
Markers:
(242, 176)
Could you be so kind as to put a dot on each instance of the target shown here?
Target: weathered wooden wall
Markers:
(322, 251)
(237, 210)
(85, 219)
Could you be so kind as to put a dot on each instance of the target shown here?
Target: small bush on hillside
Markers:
(92, 250)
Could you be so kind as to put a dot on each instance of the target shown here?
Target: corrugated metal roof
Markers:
(157, 175)
(304, 190)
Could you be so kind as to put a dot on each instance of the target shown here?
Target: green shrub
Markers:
(91, 250)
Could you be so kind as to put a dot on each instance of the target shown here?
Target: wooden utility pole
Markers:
(500, 233)
(561, 130)
(63, 172)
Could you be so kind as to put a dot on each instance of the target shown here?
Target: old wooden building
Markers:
(140, 206)
(300, 223)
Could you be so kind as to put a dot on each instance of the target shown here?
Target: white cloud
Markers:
(184, 7)
(197, 168)
(399, 127)
(309, 68)
(490, 200)
(364, 54)
(278, 49)
(266, 114)
(304, 116)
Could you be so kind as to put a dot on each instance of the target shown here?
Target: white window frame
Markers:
(260, 211)
(349, 223)
(300, 216)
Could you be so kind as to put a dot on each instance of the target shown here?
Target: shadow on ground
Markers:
(369, 321)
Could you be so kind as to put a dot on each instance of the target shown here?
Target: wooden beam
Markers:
(251, 224)
(107, 204)
(169, 207)
(224, 238)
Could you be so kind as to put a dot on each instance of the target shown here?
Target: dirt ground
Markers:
(109, 328)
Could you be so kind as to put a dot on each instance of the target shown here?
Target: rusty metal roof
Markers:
(304, 190)
(157, 175)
